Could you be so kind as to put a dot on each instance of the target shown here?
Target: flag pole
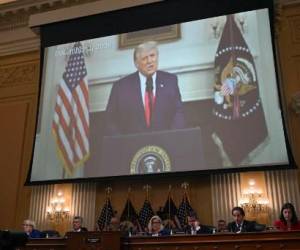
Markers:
(108, 191)
(185, 186)
(147, 188)
(128, 207)
(169, 202)
(169, 207)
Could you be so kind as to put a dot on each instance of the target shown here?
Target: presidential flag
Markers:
(106, 214)
(237, 110)
(145, 214)
(71, 122)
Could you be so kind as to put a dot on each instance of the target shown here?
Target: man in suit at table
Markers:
(77, 224)
(147, 100)
(240, 225)
(194, 226)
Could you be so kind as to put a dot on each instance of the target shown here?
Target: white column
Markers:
(225, 195)
(40, 197)
(83, 203)
(282, 187)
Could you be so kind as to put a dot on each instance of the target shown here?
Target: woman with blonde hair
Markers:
(156, 228)
(29, 229)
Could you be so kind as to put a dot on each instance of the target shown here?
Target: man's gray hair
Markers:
(146, 46)
(78, 218)
(29, 222)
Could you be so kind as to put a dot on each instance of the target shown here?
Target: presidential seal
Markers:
(150, 159)
(236, 92)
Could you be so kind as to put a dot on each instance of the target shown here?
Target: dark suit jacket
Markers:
(83, 229)
(203, 230)
(125, 110)
(248, 226)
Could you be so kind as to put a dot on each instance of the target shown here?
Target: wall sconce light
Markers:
(252, 200)
(57, 211)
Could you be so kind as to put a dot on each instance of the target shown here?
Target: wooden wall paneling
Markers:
(14, 128)
(18, 102)
(289, 53)
(39, 201)
(19, 75)
(26, 151)
(83, 203)
(282, 186)
(226, 191)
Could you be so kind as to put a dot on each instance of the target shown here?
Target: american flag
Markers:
(71, 114)
(145, 214)
(184, 210)
(106, 214)
(227, 87)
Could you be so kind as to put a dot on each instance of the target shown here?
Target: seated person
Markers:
(288, 219)
(239, 224)
(77, 224)
(222, 227)
(194, 226)
(114, 224)
(169, 224)
(29, 229)
(155, 227)
(128, 228)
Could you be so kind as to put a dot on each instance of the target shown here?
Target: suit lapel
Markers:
(158, 101)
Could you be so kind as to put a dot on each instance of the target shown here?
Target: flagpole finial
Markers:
(185, 185)
(108, 191)
(147, 188)
(129, 192)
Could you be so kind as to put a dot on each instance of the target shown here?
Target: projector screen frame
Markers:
(112, 23)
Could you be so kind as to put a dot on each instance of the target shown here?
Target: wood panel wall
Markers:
(289, 54)
(18, 102)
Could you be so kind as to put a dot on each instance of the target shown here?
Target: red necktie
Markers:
(149, 101)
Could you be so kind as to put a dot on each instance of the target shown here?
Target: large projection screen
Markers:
(214, 102)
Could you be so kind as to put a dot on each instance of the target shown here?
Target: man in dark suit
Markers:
(239, 224)
(194, 227)
(147, 100)
(77, 224)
